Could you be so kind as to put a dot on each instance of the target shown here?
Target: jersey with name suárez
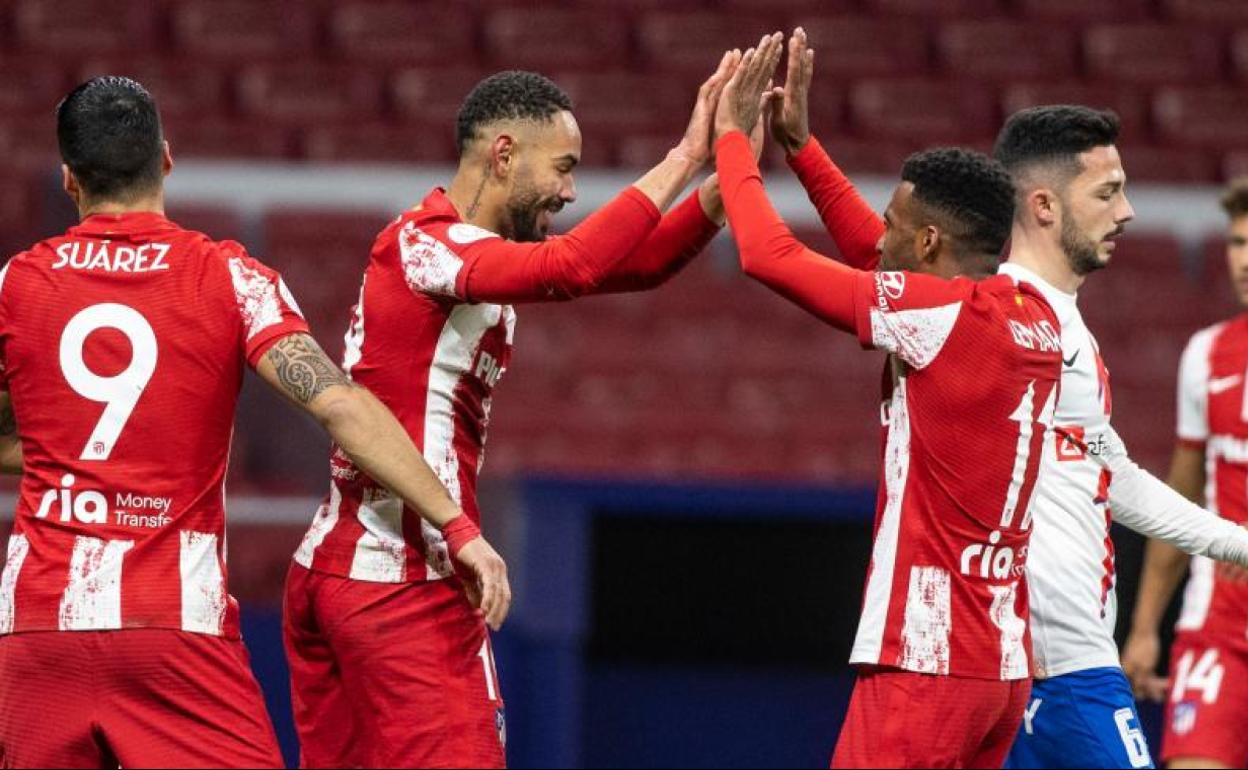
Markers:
(1213, 416)
(1071, 564)
(124, 347)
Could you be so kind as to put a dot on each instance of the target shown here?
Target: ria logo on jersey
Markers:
(994, 562)
(89, 255)
(91, 507)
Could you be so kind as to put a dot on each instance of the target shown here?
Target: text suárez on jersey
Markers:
(103, 255)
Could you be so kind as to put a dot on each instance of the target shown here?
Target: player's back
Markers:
(124, 343)
(976, 370)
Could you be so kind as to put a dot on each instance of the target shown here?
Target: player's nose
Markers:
(1126, 212)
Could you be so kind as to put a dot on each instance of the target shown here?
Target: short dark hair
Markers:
(110, 136)
(1054, 135)
(510, 95)
(974, 192)
(1235, 198)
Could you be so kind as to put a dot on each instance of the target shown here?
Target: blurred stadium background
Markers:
(682, 481)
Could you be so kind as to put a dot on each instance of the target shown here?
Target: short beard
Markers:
(523, 209)
(1081, 252)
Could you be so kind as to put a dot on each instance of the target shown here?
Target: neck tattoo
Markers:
(476, 200)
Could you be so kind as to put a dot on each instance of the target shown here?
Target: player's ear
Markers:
(69, 183)
(502, 155)
(927, 244)
(166, 161)
(1043, 206)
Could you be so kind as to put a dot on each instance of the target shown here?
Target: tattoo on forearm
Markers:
(303, 369)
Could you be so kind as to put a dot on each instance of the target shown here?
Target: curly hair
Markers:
(510, 95)
(973, 193)
(1054, 135)
(110, 136)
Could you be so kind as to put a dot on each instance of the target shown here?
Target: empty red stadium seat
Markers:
(179, 87)
(1153, 53)
(31, 144)
(242, 31)
(880, 156)
(306, 92)
(548, 37)
(1212, 11)
(1239, 55)
(431, 95)
(406, 33)
(217, 222)
(1167, 163)
(860, 46)
(925, 110)
(1005, 50)
(374, 142)
(1083, 11)
(1131, 104)
(628, 101)
(694, 41)
(979, 8)
(77, 28)
(220, 138)
(1202, 117)
(30, 87)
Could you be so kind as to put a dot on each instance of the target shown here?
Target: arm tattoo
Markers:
(303, 369)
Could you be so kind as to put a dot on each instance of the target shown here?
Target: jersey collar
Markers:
(123, 224)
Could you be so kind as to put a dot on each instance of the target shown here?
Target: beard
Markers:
(1082, 253)
(524, 208)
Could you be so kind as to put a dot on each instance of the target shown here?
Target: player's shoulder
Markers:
(1206, 337)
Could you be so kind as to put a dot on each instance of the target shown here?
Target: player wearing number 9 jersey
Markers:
(943, 648)
(124, 344)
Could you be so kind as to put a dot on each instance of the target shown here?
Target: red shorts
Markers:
(1208, 702)
(901, 719)
(390, 674)
(134, 698)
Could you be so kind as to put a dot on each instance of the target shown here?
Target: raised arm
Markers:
(369, 434)
(849, 219)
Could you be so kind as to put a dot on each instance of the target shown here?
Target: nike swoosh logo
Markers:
(1070, 364)
(1223, 384)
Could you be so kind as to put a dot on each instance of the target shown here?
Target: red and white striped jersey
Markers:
(124, 343)
(1213, 416)
(975, 379)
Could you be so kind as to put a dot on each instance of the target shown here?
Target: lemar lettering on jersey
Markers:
(1038, 336)
(104, 255)
(91, 507)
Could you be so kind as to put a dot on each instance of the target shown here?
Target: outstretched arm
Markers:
(296, 367)
(849, 219)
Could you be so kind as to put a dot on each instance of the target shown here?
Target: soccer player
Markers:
(389, 665)
(1206, 709)
(122, 350)
(943, 649)
(1072, 205)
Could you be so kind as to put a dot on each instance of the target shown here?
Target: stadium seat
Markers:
(76, 28)
(1239, 55)
(1208, 11)
(375, 142)
(217, 222)
(1167, 163)
(520, 38)
(185, 88)
(244, 31)
(303, 93)
(950, 8)
(221, 138)
(30, 88)
(925, 110)
(403, 33)
(1082, 11)
(1131, 104)
(1153, 53)
(431, 95)
(626, 101)
(31, 144)
(864, 46)
(1202, 117)
(1006, 50)
(694, 41)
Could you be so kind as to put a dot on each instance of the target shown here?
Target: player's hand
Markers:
(743, 98)
(487, 585)
(766, 106)
(790, 122)
(696, 144)
(1139, 662)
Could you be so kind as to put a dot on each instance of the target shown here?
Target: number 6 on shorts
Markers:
(120, 393)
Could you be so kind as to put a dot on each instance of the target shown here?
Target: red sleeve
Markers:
(680, 237)
(267, 310)
(501, 271)
(768, 249)
(849, 219)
